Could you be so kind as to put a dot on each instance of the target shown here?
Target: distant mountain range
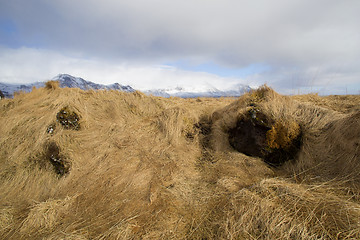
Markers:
(69, 81)
(66, 81)
(8, 89)
(206, 91)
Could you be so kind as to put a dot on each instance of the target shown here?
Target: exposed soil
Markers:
(54, 156)
(251, 137)
(68, 119)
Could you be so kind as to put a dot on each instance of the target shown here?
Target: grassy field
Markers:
(111, 165)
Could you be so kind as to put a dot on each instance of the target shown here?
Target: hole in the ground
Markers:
(274, 141)
(249, 138)
(68, 119)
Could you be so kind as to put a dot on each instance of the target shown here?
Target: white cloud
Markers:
(232, 32)
(298, 39)
(26, 65)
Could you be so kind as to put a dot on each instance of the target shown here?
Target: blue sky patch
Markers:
(7, 26)
(8, 30)
(222, 71)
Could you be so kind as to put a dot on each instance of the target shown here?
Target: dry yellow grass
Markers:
(339, 103)
(141, 167)
(52, 84)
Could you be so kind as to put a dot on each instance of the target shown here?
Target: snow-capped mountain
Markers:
(65, 80)
(187, 91)
(69, 81)
(8, 89)
(202, 91)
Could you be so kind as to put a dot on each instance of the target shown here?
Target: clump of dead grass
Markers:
(282, 134)
(279, 209)
(6, 218)
(45, 216)
(339, 103)
(52, 85)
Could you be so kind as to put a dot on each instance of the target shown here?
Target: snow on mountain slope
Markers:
(69, 81)
(186, 91)
(65, 80)
(8, 89)
(200, 91)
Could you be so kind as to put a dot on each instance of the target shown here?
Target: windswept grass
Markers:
(140, 167)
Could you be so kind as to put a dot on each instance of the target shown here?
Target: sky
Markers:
(296, 46)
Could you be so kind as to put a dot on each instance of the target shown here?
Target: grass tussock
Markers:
(52, 85)
(282, 134)
(112, 165)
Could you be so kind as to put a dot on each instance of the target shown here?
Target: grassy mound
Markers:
(111, 165)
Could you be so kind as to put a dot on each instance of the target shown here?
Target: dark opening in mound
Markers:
(52, 154)
(275, 143)
(68, 119)
(249, 138)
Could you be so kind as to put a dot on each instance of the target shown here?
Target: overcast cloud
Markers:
(305, 45)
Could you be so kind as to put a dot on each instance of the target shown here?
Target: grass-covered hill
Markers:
(112, 165)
